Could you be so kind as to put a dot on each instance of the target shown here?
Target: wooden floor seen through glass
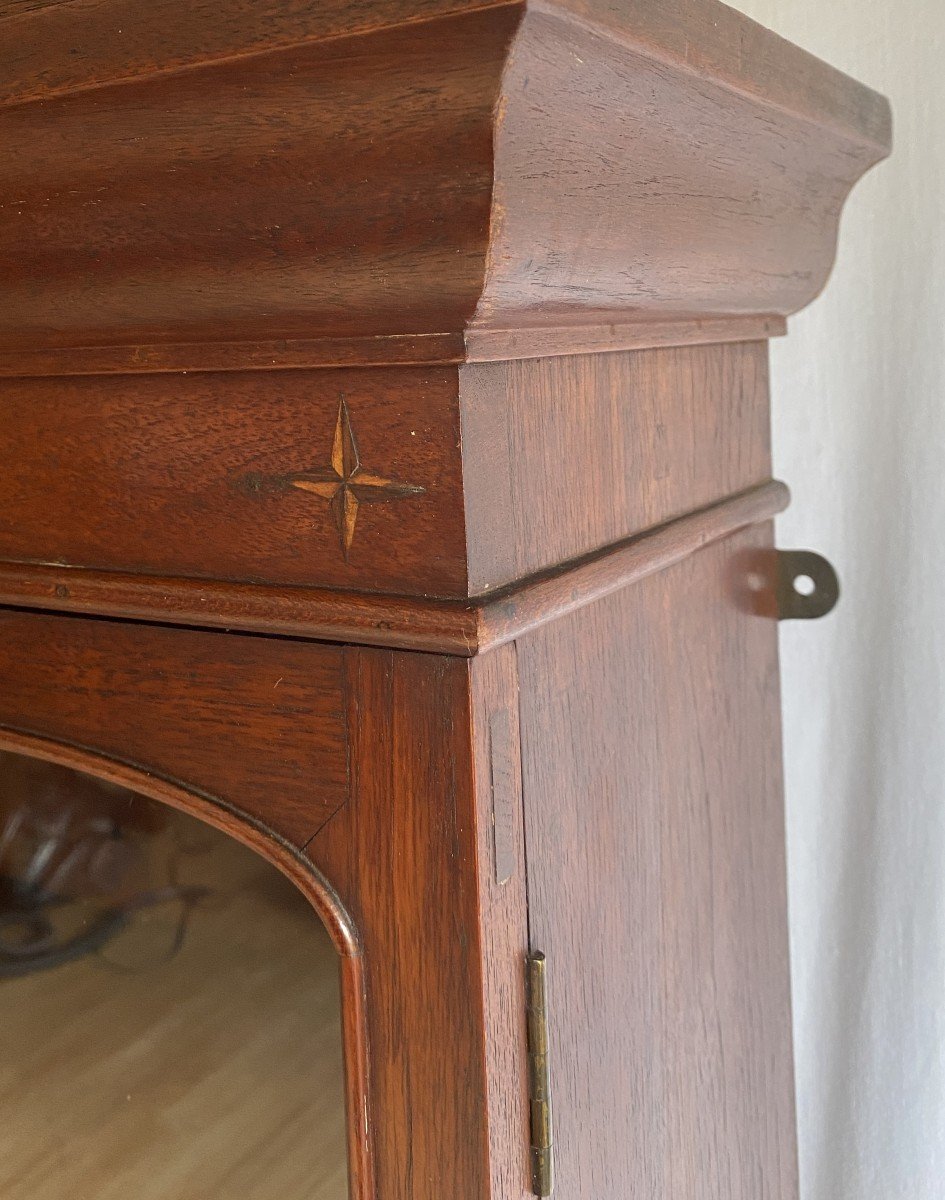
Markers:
(169, 1007)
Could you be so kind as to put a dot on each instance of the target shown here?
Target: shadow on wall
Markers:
(859, 427)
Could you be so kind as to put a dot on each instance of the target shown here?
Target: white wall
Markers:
(859, 394)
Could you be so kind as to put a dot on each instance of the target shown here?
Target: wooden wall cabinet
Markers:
(386, 481)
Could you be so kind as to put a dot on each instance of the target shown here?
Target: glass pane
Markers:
(169, 1007)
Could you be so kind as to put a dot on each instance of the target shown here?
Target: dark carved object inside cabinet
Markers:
(402, 510)
(59, 844)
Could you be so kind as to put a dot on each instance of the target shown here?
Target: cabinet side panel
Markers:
(563, 456)
(655, 847)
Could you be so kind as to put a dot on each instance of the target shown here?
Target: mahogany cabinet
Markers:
(386, 483)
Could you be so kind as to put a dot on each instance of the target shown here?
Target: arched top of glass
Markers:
(169, 1006)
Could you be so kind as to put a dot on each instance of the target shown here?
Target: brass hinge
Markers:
(539, 1080)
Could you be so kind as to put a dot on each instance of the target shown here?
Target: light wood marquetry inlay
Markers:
(345, 484)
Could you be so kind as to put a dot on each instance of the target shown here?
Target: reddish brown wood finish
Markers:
(393, 350)
(436, 331)
(247, 733)
(690, 176)
(503, 899)
(192, 476)
(442, 943)
(257, 724)
(512, 468)
(50, 49)
(253, 832)
(661, 917)
(463, 628)
(363, 175)
(309, 229)
(652, 776)
(565, 455)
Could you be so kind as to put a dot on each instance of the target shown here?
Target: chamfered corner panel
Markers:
(655, 850)
(566, 455)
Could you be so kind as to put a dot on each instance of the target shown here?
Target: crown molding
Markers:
(276, 185)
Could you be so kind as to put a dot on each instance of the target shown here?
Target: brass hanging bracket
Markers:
(806, 585)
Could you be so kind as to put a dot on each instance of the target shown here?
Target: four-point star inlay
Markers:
(346, 485)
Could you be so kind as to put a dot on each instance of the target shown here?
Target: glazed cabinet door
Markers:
(172, 1009)
(176, 1021)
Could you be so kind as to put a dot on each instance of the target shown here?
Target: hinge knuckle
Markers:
(539, 1076)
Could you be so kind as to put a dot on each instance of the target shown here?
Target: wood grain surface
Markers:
(51, 47)
(458, 627)
(341, 188)
(564, 456)
(250, 177)
(432, 943)
(192, 476)
(387, 350)
(400, 857)
(503, 915)
(459, 483)
(655, 846)
(255, 724)
(442, 943)
(302, 339)
(547, 598)
(693, 198)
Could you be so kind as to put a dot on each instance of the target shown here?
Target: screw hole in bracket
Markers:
(807, 586)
